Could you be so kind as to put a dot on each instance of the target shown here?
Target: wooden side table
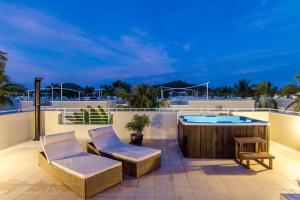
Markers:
(259, 155)
(240, 141)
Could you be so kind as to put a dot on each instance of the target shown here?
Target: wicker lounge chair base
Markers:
(135, 169)
(85, 188)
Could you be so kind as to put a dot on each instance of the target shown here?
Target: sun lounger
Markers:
(84, 173)
(136, 160)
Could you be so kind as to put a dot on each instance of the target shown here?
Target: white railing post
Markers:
(89, 112)
(108, 115)
(63, 116)
(61, 91)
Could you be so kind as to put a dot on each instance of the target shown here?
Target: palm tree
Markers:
(265, 88)
(223, 91)
(243, 88)
(264, 93)
(3, 60)
(298, 77)
(144, 96)
(296, 103)
(107, 90)
(89, 91)
(226, 91)
(121, 85)
(289, 90)
(7, 88)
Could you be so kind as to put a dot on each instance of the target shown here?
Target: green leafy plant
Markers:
(265, 101)
(138, 123)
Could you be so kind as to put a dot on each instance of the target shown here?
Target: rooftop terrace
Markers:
(178, 177)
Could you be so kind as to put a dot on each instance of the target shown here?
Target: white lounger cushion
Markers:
(131, 152)
(61, 137)
(146, 151)
(107, 141)
(104, 137)
(60, 145)
(85, 165)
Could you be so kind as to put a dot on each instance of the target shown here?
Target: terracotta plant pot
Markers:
(136, 139)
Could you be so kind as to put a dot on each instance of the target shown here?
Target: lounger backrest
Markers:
(104, 137)
(62, 145)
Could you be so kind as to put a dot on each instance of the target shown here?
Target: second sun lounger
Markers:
(136, 161)
(84, 173)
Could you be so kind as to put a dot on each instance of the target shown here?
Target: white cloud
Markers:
(35, 28)
(140, 32)
(185, 46)
(274, 15)
(143, 58)
(128, 56)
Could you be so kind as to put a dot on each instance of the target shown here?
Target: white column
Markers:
(207, 90)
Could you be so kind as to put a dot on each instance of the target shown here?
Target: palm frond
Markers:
(3, 60)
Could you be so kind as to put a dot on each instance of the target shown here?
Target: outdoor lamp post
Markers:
(37, 107)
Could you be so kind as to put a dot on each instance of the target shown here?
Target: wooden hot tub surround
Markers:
(198, 140)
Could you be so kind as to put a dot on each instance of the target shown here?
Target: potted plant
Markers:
(137, 125)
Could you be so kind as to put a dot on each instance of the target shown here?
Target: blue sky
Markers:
(95, 42)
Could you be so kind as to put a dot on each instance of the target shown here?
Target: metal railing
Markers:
(86, 116)
(104, 115)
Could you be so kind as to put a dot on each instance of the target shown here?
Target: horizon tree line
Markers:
(143, 95)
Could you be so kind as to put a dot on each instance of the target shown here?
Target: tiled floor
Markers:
(178, 178)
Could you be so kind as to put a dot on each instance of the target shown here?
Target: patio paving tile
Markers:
(178, 177)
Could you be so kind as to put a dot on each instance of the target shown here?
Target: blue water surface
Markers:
(217, 119)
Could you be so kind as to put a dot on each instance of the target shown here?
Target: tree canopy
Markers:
(7, 87)
(243, 88)
(289, 90)
(144, 96)
(265, 88)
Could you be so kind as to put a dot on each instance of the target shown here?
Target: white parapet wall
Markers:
(163, 124)
(83, 104)
(26, 104)
(224, 103)
(260, 115)
(16, 128)
(53, 125)
(73, 104)
(19, 127)
(285, 129)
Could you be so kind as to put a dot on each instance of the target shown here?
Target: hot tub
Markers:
(212, 136)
